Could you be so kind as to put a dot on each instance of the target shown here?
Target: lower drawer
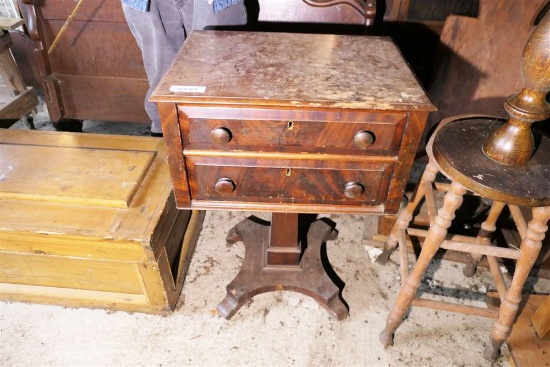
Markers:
(288, 182)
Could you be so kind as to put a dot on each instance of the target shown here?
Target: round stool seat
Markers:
(457, 150)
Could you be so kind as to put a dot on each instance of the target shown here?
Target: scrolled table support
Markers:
(272, 262)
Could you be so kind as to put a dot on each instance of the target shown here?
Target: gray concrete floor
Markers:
(274, 329)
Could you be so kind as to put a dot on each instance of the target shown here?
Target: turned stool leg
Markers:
(406, 214)
(530, 248)
(436, 235)
(488, 227)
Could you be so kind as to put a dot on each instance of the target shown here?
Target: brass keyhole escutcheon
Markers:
(225, 186)
(220, 135)
(288, 172)
(290, 125)
(363, 139)
(353, 189)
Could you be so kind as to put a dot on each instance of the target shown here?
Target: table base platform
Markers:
(307, 275)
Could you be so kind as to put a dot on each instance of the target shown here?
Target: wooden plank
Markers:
(526, 349)
(152, 283)
(168, 281)
(541, 320)
(18, 106)
(83, 247)
(455, 307)
(32, 293)
(5, 41)
(10, 73)
(71, 140)
(63, 272)
(148, 204)
(56, 219)
(101, 178)
(188, 246)
(9, 24)
(171, 229)
(468, 244)
(379, 240)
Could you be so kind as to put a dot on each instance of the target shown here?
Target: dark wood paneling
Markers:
(96, 11)
(95, 49)
(437, 10)
(96, 71)
(103, 98)
(22, 50)
(300, 11)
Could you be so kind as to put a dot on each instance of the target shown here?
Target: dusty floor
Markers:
(274, 329)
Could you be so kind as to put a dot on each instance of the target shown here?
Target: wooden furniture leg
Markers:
(274, 261)
(436, 235)
(530, 248)
(406, 214)
(16, 100)
(540, 320)
(488, 227)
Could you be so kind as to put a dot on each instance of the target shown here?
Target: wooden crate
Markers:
(90, 220)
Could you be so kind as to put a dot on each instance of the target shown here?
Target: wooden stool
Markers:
(16, 100)
(495, 161)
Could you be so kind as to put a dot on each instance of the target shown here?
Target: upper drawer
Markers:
(311, 131)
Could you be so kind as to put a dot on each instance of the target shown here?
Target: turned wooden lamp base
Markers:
(273, 261)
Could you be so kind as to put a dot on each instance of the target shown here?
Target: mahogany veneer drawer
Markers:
(287, 181)
(319, 131)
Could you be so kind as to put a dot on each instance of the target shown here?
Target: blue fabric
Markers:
(141, 5)
(220, 5)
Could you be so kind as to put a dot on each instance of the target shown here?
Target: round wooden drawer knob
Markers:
(353, 189)
(363, 139)
(224, 186)
(220, 135)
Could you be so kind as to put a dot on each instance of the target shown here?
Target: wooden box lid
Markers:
(98, 186)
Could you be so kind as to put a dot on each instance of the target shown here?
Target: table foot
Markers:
(470, 268)
(386, 338)
(491, 352)
(384, 257)
(308, 277)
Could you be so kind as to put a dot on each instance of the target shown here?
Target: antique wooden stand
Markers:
(288, 124)
(502, 162)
